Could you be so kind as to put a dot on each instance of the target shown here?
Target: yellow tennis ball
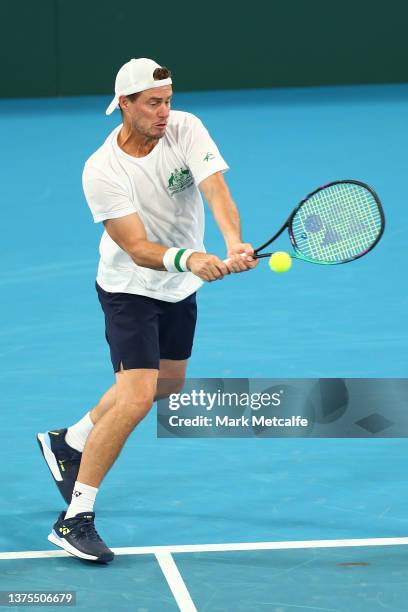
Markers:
(280, 261)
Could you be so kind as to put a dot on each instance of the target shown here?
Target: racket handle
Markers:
(226, 261)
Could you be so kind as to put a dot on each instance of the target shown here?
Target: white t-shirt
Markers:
(162, 188)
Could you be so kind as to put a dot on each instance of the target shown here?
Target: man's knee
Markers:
(168, 386)
(134, 407)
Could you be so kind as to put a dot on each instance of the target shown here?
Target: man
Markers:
(144, 184)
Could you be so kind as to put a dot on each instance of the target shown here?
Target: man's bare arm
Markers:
(216, 192)
(130, 234)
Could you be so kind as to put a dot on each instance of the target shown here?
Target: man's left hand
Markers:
(240, 257)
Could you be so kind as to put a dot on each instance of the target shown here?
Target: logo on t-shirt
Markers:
(209, 156)
(179, 180)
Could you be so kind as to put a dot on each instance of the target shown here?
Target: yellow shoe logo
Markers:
(61, 462)
(54, 433)
(64, 530)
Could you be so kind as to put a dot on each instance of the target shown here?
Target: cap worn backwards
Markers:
(135, 76)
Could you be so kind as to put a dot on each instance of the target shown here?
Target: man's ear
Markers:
(123, 103)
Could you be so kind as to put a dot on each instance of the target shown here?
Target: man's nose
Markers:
(164, 110)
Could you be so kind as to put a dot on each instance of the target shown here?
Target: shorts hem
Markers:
(132, 365)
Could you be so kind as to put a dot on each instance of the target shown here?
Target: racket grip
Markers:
(226, 261)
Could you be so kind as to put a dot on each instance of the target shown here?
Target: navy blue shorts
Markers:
(142, 330)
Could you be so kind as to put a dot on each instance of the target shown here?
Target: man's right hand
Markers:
(207, 267)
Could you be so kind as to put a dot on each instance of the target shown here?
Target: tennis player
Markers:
(145, 184)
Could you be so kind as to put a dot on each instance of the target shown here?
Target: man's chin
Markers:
(159, 131)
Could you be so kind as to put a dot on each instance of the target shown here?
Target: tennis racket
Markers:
(334, 224)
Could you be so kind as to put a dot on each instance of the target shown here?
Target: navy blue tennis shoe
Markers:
(78, 536)
(62, 460)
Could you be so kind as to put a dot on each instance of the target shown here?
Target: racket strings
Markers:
(338, 223)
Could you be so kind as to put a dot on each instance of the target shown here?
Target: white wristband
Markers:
(183, 259)
(175, 259)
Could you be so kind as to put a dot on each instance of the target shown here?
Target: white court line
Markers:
(175, 582)
(196, 548)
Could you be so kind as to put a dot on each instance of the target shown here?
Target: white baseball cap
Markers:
(134, 76)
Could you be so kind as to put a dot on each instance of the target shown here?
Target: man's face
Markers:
(149, 113)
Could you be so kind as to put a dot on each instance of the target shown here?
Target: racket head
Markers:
(336, 223)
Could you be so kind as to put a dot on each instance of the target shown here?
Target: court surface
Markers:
(342, 321)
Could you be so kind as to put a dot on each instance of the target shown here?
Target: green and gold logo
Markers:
(179, 180)
(209, 156)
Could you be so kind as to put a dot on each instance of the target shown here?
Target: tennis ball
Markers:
(280, 261)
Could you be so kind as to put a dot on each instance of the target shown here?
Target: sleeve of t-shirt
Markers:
(202, 154)
(105, 198)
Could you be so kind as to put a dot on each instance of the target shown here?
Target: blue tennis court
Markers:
(210, 524)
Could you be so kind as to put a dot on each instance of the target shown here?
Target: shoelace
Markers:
(86, 527)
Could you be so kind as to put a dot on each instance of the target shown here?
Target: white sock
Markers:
(83, 499)
(77, 434)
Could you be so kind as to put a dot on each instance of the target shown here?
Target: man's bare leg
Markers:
(134, 396)
(170, 369)
(75, 530)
